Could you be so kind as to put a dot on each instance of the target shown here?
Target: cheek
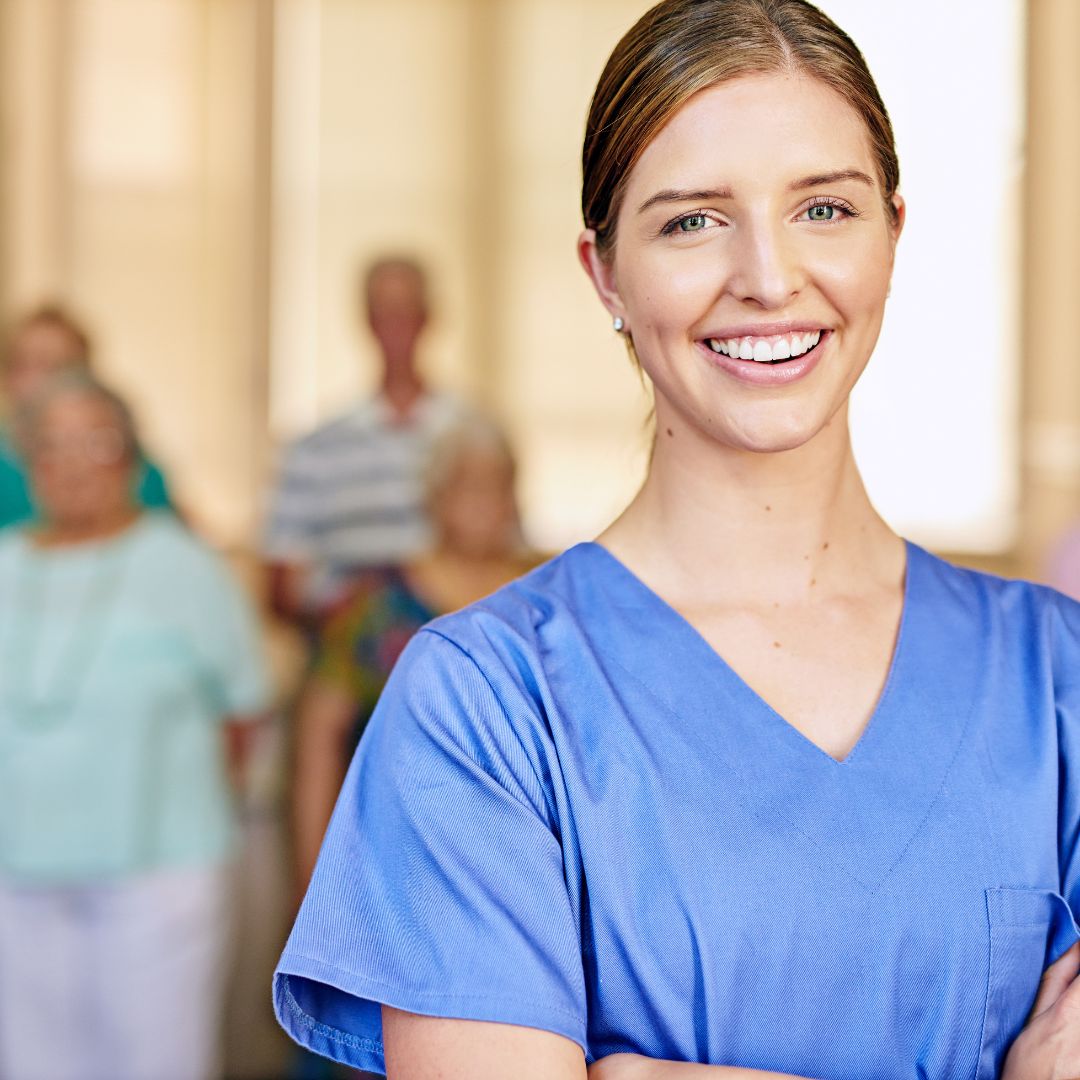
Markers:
(665, 294)
(856, 281)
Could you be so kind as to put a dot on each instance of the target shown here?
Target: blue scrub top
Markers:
(569, 813)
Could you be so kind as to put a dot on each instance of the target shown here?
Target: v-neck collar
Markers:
(741, 688)
(900, 761)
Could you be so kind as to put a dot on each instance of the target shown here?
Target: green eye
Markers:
(692, 223)
(823, 212)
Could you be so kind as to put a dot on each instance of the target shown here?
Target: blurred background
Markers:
(203, 182)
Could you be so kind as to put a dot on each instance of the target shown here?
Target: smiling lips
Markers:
(766, 350)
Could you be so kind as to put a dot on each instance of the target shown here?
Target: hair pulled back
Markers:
(681, 47)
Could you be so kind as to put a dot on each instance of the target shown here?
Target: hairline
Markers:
(790, 64)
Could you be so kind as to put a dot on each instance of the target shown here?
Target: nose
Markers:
(767, 268)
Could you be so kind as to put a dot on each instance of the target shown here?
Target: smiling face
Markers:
(752, 259)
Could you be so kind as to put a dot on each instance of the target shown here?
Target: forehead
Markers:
(43, 335)
(390, 283)
(77, 411)
(754, 131)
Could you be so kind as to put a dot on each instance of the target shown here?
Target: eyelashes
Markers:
(829, 202)
(697, 220)
(701, 220)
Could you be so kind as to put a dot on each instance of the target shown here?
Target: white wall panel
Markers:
(936, 417)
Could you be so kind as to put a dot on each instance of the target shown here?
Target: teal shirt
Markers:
(119, 660)
(17, 505)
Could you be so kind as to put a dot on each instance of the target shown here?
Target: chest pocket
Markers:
(1026, 927)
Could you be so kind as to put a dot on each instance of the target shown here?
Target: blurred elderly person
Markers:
(350, 494)
(40, 345)
(130, 672)
(469, 495)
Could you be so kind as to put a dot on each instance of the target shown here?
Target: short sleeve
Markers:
(224, 633)
(440, 888)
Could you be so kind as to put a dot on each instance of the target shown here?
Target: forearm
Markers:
(319, 766)
(239, 735)
(636, 1067)
(319, 773)
(286, 592)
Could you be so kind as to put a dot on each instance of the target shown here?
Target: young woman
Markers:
(748, 785)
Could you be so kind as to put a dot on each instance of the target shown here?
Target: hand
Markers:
(1049, 1046)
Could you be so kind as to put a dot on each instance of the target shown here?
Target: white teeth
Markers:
(765, 350)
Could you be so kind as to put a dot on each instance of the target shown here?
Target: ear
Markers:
(900, 216)
(601, 271)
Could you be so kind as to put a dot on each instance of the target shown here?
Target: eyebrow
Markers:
(670, 195)
(832, 178)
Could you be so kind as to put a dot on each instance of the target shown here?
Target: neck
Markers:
(402, 387)
(740, 527)
(59, 533)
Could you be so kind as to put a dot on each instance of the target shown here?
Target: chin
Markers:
(768, 434)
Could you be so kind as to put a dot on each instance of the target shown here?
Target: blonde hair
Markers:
(681, 47)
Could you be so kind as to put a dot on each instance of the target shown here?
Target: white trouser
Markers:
(119, 981)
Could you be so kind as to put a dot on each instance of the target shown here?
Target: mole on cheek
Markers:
(671, 433)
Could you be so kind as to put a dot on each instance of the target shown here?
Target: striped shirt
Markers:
(351, 493)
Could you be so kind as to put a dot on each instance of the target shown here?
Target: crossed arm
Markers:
(431, 1048)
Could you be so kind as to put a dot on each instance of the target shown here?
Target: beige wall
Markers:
(1051, 296)
(134, 193)
(203, 179)
(442, 131)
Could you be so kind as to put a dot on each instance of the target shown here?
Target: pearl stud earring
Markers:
(617, 324)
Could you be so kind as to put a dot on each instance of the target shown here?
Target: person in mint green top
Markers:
(130, 674)
(40, 345)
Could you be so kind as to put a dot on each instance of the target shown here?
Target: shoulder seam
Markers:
(502, 709)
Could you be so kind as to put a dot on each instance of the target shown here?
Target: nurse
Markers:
(748, 786)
